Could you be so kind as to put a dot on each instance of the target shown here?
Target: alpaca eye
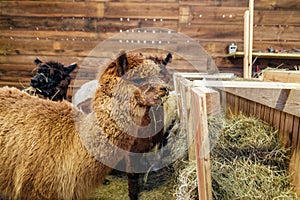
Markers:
(139, 81)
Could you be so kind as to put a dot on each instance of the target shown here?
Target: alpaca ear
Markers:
(37, 61)
(122, 63)
(70, 68)
(167, 59)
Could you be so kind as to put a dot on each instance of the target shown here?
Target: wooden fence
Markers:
(276, 103)
(67, 31)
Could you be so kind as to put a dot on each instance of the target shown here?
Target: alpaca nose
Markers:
(164, 90)
(34, 82)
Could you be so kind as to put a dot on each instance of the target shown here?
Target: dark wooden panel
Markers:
(222, 32)
(214, 15)
(216, 3)
(277, 17)
(51, 9)
(49, 23)
(45, 47)
(142, 10)
(258, 4)
(276, 33)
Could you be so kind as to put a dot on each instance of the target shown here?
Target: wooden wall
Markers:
(67, 30)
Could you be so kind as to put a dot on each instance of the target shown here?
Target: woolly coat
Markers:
(50, 150)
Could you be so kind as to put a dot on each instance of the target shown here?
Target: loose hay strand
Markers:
(247, 162)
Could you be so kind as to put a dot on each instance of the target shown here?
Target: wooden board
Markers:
(200, 127)
(282, 76)
(51, 9)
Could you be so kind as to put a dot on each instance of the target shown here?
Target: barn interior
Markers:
(92, 32)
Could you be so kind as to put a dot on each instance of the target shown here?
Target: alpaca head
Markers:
(137, 86)
(52, 79)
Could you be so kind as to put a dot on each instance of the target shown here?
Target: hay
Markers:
(187, 187)
(157, 188)
(247, 162)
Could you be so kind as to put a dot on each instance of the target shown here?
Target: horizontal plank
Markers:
(49, 23)
(51, 9)
(142, 10)
(248, 84)
(235, 15)
(86, 24)
(281, 96)
(213, 32)
(294, 55)
(215, 15)
(281, 76)
(222, 32)
(279, 33)
(259, 4)
(42, 34)
(277, 17)
(46, 47)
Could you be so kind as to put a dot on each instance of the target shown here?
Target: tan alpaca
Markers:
(51, 150)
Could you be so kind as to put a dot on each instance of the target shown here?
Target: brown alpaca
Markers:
(51, 150)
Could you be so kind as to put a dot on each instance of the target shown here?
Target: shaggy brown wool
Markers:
(44, 144)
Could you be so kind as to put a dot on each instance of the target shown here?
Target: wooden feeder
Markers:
(201, 95)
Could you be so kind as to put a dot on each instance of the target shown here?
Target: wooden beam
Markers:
(281, 96)
(250, 41)
(246, 84)
(246, 47)
(281, 76)
(51, 9)
(199, 76)
(183, 89)
(200, 127)
(268, 55)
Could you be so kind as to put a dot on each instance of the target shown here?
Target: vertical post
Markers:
(251, 13)
(200, 127)
(246, 44)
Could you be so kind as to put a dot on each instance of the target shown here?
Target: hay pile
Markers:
(247, 162)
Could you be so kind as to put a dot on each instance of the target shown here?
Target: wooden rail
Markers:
(276, 103)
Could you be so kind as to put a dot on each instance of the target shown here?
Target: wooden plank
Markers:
(51, 9)
(268, 55)
(281, 128)
(142, 10)
(51, 23)
(200, 126)
(214, 15)
(276, 32)
(246, 73)
(276, 119)
(296, 158)
(41, 34)
(252, 106)
(273, 98)
(281, 76)
(200, 76)
(271, 117)
(276, 17)
(247, 84)
(296, 133)
(288, 130)
(186, 119)
(212, 100)
(46, 47)
(222, 32)
(275, 4)
(266, 116)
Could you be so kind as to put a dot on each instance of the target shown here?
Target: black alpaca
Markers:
(52, 79)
